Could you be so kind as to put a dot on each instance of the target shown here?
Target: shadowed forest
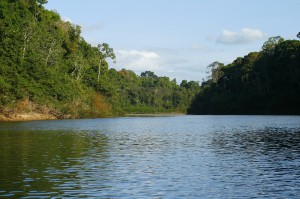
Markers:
(265, 82)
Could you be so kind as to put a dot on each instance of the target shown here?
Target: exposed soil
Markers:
(26, 110)
(27, 117)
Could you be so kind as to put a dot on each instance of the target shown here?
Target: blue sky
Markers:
(180, 38)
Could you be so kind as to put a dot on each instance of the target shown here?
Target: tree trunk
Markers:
(27, 36)
(99, 70)
(49, 53)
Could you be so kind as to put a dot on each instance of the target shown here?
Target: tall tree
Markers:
(269, 46)
(105, 52)
(215, 71)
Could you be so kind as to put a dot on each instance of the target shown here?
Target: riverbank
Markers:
(30, 116)
(28, 111)
(27, 117)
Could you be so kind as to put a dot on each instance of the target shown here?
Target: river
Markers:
(152, 157)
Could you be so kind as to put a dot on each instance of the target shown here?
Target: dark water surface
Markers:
(152, 157)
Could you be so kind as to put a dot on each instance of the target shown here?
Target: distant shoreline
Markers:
(32, 116)
(154, 114)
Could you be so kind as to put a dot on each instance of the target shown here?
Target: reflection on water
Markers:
(164, 157)
(45, 163)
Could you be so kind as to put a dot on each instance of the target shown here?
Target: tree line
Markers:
(265, 82)
(44, 62)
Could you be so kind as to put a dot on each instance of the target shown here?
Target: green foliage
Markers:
(45, 61)
(39, 54)
(146, 93)
(266, 82)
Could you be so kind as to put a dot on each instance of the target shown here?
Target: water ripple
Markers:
(169, 157)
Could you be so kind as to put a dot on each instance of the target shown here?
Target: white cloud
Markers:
(246, 35)
(138, 61)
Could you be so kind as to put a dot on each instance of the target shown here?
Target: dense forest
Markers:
(47, 67)
(265, 82)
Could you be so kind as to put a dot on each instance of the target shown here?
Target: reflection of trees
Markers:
(42, 160)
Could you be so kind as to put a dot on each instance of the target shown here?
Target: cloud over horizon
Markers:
(138, 60)
(246, 35)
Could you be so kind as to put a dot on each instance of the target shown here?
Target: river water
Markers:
(152, 157)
